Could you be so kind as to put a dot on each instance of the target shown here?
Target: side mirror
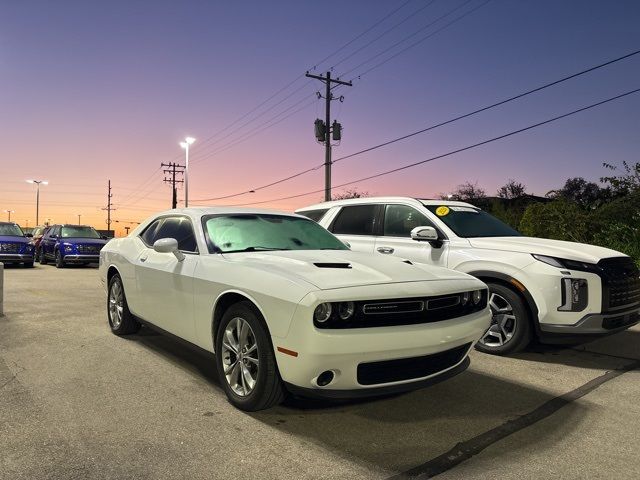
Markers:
(426, 234)
(168, 245)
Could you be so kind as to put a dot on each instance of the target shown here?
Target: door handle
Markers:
(386, 250)
(143, 259)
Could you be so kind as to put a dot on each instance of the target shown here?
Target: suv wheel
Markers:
(43, 259)
(59, 260)
(510, 329)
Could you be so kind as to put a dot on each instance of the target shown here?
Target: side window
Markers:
(399, 220)
(355, 220)
(149, 234)
(55, 231)
(179, 228)
(315, 215)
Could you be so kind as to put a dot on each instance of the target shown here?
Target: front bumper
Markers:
(16, 257)
(343, 351)
(74, 258)
(596, 324)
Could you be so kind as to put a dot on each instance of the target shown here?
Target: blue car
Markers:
(71, 244)
(15, 246)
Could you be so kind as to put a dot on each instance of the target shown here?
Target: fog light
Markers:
(346, 309)
(477, 296)
(325, 378)
(575, 295)
(322, 312)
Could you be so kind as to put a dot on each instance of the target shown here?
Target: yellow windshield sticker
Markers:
(442, 211)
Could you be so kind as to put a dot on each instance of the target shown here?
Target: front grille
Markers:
(374, 373)
(620, 283)
(95, 249)
(405, 311)
(9, 247)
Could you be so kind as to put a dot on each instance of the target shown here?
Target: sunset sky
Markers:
(99, 90)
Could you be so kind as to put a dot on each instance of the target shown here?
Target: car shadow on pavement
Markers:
(607, 353)
(180, 353)
(398, 432)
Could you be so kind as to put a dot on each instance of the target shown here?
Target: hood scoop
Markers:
(332, 265)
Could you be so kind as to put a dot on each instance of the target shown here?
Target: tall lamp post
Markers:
(79, 218)
(38, 182)
(9, 212)
(187, 142)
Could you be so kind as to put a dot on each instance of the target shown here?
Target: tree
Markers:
(512, 189)
(584, 193)
(349, 193)
(624, 184)
(559, 220)
(467, 192)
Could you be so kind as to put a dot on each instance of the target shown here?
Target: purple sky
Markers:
(91, 91)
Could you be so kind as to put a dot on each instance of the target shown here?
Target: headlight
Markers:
(68, 248)
(477, 296)
(346, 310)
(464, 298)
(554, 262)
(322, 312)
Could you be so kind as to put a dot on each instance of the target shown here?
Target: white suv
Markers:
(556, 291)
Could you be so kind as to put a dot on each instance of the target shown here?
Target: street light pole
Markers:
(38, 182)
(9, 212)
(187, 142)
(79, 218)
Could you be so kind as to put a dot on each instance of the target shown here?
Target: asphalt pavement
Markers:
(79, 402)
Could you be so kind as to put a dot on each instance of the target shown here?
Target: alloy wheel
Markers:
(503, 322)
(116, 304)
(240, 356)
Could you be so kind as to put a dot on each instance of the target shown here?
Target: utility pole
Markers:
(173, 169)
(109, 208)
(327, 141)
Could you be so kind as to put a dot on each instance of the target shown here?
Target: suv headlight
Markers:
(68, 247)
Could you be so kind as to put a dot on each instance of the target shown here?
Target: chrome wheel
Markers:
(503, 322)
(116, 304)
(240, 356)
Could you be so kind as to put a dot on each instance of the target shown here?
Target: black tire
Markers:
(508, 309)
(43, 258)
(59, 260)
(127, 323)
(268, 389)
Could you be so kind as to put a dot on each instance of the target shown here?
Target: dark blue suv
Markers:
(65, 244)
(15, 246)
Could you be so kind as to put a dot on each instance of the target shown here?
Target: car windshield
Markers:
(262, 232)
(469, 222)
(11, 230)
(79, 232)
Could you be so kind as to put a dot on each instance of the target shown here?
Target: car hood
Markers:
(85, 241)
(328, 269)
(543, 246)
(12, 239)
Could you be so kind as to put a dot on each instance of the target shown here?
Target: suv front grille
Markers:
(90, 249)
(374, 373)
(620, 283)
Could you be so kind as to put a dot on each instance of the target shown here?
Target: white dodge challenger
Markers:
(286, 306)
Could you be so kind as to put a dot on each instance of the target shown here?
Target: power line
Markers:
(432, 127)
(488, 107)
(447, 25)
(459, 150)
(408, 17)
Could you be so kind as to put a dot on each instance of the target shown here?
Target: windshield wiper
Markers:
(255, 249)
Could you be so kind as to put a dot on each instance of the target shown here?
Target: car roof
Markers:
(213, 210)
(364, 200)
